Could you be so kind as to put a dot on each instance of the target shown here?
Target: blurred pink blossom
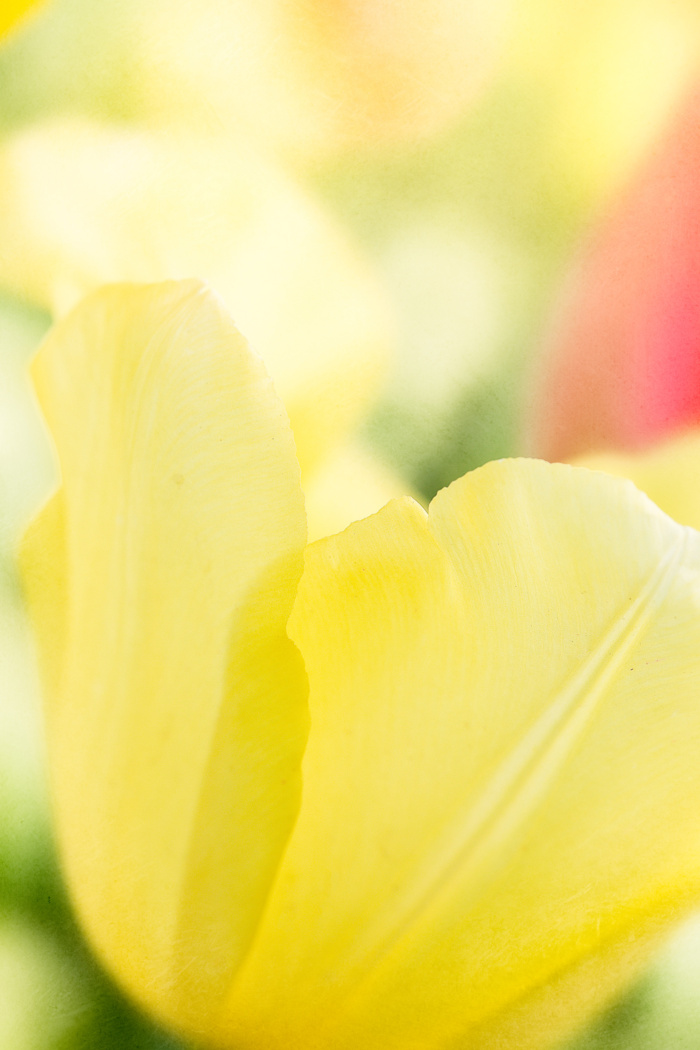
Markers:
(622, 362)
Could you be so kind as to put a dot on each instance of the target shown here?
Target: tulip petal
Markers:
(83, 204)
(176, 714)
(501, 786)
(44, 552)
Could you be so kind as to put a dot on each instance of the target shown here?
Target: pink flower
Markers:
(623, 362)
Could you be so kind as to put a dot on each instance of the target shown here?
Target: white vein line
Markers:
(516, 787)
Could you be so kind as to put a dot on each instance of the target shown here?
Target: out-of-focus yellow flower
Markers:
(440, 790)
(11, 11)
(313, 75)
(83, 204)
(668, 472)
(614, 73)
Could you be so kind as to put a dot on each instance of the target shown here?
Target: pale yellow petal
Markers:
(160, 581)
(350, 485)
(83, 204)
(669, 473)
(45, 572)
(501, 788)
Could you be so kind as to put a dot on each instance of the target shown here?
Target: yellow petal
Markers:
(669, 473)
(45, 574)
(501, 785)
(82, 204)
(349, 485)
(176, 713)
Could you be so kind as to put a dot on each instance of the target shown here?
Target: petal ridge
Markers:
(517, 786)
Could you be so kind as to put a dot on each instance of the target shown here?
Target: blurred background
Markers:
(465, 170)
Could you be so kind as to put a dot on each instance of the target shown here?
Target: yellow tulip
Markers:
(83, 204)
(429, 783)
(11, 11)
(308, 77)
